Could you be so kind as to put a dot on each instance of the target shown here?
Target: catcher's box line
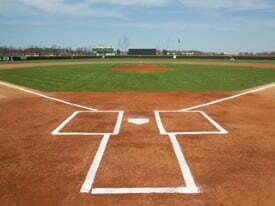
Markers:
(90, 177)
(144, 190)
(191, 187)
(45, 96)
(188, 179)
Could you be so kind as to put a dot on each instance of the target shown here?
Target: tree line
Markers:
(56, 51)
(44, 51)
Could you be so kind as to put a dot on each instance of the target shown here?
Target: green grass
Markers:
(101, 78)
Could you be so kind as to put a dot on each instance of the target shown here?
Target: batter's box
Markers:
(187, 122)
(91, 123)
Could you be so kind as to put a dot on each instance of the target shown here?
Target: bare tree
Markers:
(125, 43)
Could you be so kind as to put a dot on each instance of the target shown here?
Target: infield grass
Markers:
(102, 78)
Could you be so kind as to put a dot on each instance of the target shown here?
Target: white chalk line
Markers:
(57, 131)
(46, 97)
(63, 124)
(190, 188)
(229, 98)
(214, 123)
(144, 190)
(118, 123)
(188, 179)
(89, 180)
(220, 129)
(87, 185)
(185, 170)
(159, 123)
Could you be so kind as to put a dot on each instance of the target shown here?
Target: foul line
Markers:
(47, 97)
(228, 98)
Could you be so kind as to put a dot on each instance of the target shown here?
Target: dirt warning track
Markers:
(39, 168)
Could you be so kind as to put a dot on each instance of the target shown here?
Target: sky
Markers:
(206, 25)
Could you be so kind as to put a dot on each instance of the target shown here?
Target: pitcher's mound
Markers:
(141, 68)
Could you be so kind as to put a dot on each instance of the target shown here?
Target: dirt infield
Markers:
(141, 68)
(46, 64)
(237, 168)
(7, 93)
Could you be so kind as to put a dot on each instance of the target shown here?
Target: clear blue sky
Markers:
(208, 25)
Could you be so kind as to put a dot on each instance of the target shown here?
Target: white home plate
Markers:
(138, 121)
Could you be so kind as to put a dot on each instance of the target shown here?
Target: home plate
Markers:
(138, 121)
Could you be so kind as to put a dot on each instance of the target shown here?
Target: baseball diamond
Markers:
(140, 131)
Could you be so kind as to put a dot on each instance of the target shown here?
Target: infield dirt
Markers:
(234, 169)
(7, 93)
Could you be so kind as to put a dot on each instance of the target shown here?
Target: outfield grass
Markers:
(101, 78)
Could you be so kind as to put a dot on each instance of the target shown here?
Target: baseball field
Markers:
(137, 132)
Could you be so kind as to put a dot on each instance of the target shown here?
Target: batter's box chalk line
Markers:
(220, 129)
(116, 129)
